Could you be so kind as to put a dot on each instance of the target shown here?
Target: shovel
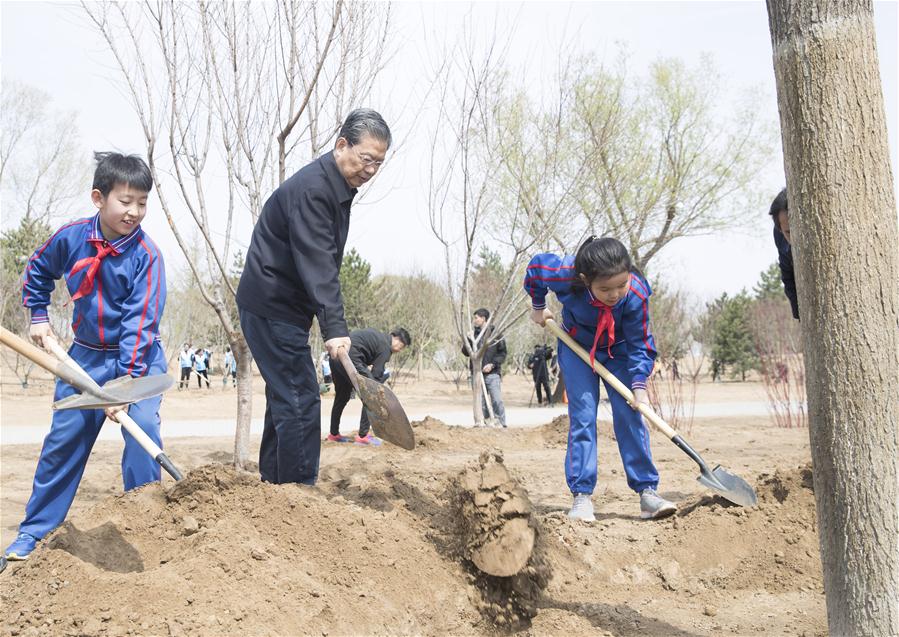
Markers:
(732, 487)
(388, 419)
(120, 391)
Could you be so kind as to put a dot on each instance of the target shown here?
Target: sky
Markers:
(49, 46)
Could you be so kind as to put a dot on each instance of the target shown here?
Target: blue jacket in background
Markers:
(123, 310)
(633, 337)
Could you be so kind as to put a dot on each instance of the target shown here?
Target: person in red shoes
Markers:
(370, 351)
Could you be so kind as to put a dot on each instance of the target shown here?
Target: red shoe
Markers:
(368, 440)
(338, 438)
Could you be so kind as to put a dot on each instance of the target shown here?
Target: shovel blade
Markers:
(121, 391)
(730, 486)
(388, 418)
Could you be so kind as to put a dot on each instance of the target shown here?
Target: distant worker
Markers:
(538, 364)
(369, 351)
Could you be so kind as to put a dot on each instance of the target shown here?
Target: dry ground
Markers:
(370, 549)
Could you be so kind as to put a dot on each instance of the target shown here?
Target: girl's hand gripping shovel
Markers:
(388, 419)
(732, 487)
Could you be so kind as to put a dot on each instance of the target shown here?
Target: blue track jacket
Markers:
(122, 310)
(581, 314)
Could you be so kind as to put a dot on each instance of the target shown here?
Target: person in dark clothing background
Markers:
(291, 276)
(492, 363)
(781, 219)
(537, 363)
(370, 349)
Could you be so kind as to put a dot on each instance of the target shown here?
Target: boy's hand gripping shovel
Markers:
(388, 419)
(732, 487)
(120, 391)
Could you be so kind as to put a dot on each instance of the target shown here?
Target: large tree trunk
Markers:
(843, 222)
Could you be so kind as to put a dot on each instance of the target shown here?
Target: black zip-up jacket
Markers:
(785, 261)
(292, 266)
(537, 361)
(370, 348)
(495, 354)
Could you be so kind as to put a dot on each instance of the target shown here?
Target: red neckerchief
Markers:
(605, 322)
(104, 249)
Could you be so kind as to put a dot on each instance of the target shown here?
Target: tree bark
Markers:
(843, 222)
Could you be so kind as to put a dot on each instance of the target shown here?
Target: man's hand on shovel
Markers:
(334, 344)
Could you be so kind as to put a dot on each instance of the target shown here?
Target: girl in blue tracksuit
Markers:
(605, 308)
(116, 278)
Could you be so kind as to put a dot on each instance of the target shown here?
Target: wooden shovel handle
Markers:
(348, 366)
(42, 358)
(612, 380)
(57, 350)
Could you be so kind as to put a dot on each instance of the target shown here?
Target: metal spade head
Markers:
(732, 487)
(388, 419)
(121, 391)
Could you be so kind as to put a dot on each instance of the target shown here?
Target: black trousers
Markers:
(185, 377)
(291, 437)
(343, 388)
(542, 382)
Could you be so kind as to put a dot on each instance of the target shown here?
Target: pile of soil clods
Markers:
(498, 535)
(222, 553)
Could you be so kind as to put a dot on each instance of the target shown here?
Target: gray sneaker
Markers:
(582, 508)
(653, 506)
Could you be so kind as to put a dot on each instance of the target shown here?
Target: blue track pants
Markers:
(72, 436)
(582, 387)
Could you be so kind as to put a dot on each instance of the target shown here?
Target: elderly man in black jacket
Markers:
(491, 365)
(291, 276)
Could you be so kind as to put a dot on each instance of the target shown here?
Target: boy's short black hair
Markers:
(403, 334)
(779, 203)
(483, 312)
(116, 168)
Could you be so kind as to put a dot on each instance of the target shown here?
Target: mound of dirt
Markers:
(432, 434)
(773, 546)
(555, 432)
(222, 553)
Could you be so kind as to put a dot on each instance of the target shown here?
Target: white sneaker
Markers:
(653, 506)
(582, 508)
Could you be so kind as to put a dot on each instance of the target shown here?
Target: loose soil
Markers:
(397, 542)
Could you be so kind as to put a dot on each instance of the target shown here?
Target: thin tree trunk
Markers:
(244, 399)
(843, 221)
(477, 362)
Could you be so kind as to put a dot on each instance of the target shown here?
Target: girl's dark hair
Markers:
(601, 259)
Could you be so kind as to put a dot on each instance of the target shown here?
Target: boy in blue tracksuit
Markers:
(605, 308)
(116, 278)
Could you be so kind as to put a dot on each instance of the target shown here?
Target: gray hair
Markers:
(362, 121)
